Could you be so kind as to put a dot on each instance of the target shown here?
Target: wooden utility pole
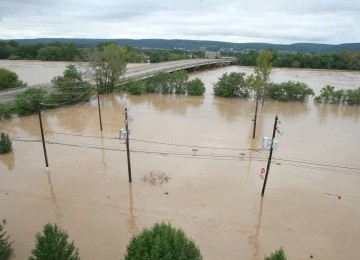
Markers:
(98, 100)
(127, 144)
(256, 109)
(43, 139)
(270, 156)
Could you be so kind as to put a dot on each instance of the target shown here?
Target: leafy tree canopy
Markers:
(53, 244)
(162, 242)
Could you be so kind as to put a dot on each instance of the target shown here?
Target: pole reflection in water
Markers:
(54, 199)
(131, 222)
(254, 239)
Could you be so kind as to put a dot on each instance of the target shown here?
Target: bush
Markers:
(6, 110)
(9, 79)
(278, 255)
(5, 245)
(70, 87)
(328, 94)
(290, 91)
(195, 87)
(53, 245)
(353, 96)
(136, 87)
(5, 143)
(232, 85)
(29, 101)
(162, 241)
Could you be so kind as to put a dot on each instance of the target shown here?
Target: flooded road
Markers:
(204, 144)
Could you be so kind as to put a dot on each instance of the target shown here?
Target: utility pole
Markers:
(127, 144)
(256, 109)
(98, 100)
(270, 156)
(43, 139)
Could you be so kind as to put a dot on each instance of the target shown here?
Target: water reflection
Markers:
(164, 103)
(324, 111)
(9, 160)
(254, 239)
(54, 199)
(288, 109)
(131, 221)
(232, 108)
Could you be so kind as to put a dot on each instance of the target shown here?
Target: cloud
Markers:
(277, 21)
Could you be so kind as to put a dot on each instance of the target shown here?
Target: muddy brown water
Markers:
(311, 205)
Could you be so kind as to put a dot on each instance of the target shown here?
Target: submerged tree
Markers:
(9, 80)
(53, 244)
(5, 143)
(232, 85)
(162, 241)
(262, 70)
(106, 65)
(6, 249)
(277, 255)
(70, 87)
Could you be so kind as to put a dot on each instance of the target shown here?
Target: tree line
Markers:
(65, 51)
(344, 60)
(237, 84)
(60, 51)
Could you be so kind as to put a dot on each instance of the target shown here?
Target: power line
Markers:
(306, 165)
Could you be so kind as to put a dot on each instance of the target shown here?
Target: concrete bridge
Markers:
(143, 71)
(136, 71)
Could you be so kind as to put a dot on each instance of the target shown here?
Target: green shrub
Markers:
(232, 85)
(136, 87)
(5, 245)
(278, 255)
(5, 143)
(195, 87)
(289, 91)
(353, 96)
(9, 79)
(53, 245)
(329, 95)
(29, 101)
(6, 110)
(162, 241)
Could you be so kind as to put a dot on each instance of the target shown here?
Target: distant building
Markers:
(202, 49)
(212, 55)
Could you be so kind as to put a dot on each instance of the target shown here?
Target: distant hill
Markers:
(210, 45)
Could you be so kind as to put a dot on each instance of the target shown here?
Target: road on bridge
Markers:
(137, 71)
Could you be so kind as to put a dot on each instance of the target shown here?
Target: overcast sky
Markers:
(271, 21)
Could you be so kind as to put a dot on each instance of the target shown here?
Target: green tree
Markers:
(29, 101)
(161, 242)
(6, 249)
(263, 69)
(195, 87)
(106, 65)
(277, 255)
(5, 143)
(353, 96)
(289, 91)
(136, 87)
(328, 94)
(70, 87)
(9, 79)
(53, 244)
(232, 85)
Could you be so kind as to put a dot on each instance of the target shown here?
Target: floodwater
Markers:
(204, 144)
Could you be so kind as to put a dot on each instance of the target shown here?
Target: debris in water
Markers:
(166, 193)
(4, 221)
(156, 177)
